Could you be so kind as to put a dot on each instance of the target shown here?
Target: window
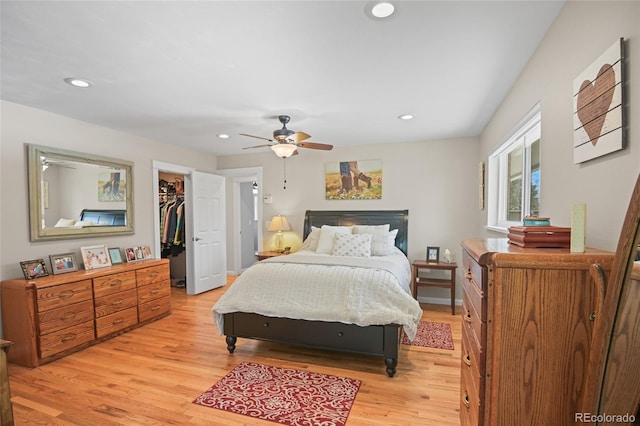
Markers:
(514, 175)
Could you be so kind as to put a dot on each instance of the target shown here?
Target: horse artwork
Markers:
(354, 180)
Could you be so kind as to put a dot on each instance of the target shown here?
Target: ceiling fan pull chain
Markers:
(284, 159)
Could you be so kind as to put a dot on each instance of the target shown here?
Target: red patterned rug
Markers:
(283, 395)
(432, 335)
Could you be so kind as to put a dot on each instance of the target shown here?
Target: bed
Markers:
(374, 328)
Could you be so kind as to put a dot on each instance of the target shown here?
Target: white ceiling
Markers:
(182, 72)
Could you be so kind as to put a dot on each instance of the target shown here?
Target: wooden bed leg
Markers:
(231, 343)
(391, 364)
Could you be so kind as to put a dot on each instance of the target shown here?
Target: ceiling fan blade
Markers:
(257, 137)
(257, 146)
(316, 145)
(299, 136)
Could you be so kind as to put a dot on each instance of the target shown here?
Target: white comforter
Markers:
(311, 286)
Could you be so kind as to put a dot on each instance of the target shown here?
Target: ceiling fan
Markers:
(285, 142)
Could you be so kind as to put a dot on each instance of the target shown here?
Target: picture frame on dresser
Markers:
(95, 257)
(34, 269)
(115, 255)
(63, 263)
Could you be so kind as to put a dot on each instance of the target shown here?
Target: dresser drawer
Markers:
(112, 303)
(115, 322)
(470, 404)
(153, 274)
(154, 308)
(473, 356)
(153, 291)
(471, 321)
(63, 295)
(104, 286)
(59, 341)
(473, 271)
(476, 298)
(66, 316)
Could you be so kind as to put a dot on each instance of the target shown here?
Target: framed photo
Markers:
(114, 255)
(433, 254)
(63, 263)
(95, 257)
(34, 269)
(146, 252)
(130, 254)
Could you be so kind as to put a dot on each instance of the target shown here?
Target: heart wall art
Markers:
(597, 106)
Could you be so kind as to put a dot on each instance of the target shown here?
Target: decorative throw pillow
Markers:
(392, 238)
(327, 234)
(358, 245)
(311, 242)
(380, 238)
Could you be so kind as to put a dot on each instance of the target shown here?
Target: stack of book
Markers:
(540, 236)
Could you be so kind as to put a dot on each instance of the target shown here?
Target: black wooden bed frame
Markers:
(379, 340)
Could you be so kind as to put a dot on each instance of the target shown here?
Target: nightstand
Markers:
(449, 283)
(262, 255)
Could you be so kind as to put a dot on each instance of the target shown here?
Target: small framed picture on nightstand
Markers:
(433, 254)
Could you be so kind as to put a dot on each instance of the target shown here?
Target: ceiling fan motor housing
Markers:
(284, 133)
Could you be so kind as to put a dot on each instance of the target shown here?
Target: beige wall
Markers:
(21, 125)
(582, 31)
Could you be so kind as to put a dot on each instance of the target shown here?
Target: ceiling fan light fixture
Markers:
(284, 150)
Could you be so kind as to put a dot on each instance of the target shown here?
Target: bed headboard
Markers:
(104, 217)
(397, 219)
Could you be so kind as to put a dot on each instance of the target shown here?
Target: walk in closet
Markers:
(172, 226)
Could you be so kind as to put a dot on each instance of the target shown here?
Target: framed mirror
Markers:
(75, 195)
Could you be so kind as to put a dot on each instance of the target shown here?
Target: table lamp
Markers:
(279, 223)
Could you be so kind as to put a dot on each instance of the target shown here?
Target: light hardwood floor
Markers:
(152, 374)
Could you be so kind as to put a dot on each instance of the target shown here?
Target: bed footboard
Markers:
(380, 340)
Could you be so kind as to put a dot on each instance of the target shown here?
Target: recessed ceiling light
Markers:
(406, 117)
(223, 136)
(78, 82)
(380, 9)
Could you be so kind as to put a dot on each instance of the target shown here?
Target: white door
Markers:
(208, 236)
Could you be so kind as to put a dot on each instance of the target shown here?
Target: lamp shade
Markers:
(284, 150)
(279, 223)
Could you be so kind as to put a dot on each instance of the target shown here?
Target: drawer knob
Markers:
(155, 291)
(592, 317)
(465, 400)
(118, 321)
(467, 360)
(154, 274)
(156, 307)
(468, 275)
(117, 302)
(467, 317)
(340, 334)
(266, 324)
(115, 283)
(68, 316)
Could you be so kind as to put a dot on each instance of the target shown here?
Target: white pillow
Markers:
(63, 223)
(392, 238)
(311, 242)
(358, 245)
(380, 238)
(327, 234)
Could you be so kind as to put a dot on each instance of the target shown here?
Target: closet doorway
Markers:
(204, 225)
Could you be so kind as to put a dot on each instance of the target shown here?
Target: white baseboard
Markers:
(439, 300)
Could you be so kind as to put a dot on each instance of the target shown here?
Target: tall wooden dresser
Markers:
(50, 317)
(527, 330)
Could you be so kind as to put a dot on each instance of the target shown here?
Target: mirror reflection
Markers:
(75, 194)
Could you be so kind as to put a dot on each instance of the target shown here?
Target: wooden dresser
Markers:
(527, 330)
(50, 317)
